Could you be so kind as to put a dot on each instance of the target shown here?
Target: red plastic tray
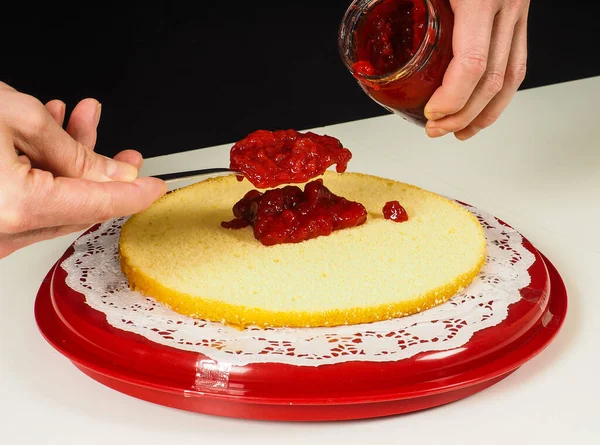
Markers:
(136, 366)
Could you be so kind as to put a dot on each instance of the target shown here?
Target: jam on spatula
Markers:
(272, 158)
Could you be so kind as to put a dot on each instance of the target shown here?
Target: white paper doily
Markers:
(94, 271)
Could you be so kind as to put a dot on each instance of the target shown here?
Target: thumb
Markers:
(51, 148)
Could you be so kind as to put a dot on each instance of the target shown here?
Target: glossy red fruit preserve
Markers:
(389, 36)
(272, 158)
(291, 215)
(393, 211)
(398, 50)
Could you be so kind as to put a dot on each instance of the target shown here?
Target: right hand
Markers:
(51, 181)
(490, 61)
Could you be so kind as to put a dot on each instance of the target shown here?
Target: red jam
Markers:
(392, 210)
(271, 158)
(389, 36)
(291, 215)
(398, 58)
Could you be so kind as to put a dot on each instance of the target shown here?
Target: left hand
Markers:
(51, 181)
(490, 58)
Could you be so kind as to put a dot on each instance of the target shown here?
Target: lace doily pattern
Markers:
(94, 271)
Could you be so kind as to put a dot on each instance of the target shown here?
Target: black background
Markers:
(175, 78)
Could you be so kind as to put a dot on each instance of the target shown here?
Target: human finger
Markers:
(490, 84)
(473, 23)
(57, 109)
(515, 74)
(51, 148)
(131, 157)
(83, 122)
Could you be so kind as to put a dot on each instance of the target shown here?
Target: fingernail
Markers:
(120, 171)
(433, 131)
(434, 116)
(98, 113)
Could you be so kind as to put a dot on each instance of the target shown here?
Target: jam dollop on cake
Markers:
(272, 158)
(291, 215)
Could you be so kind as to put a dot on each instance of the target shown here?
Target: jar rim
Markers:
(346, 42)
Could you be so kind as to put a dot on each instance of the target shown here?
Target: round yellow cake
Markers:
(177, 252)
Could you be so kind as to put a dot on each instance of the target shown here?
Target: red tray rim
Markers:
(508, 363)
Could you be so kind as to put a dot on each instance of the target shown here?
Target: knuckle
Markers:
(14, 219)
(487, 118)
(35, 118)
(456, 123)
(13, 213)
(18, 211)
(103, 207)
(516, 73)
(106, 210)
(80, 160)
(516, 6)
(39, 183)
(457, 126)
(474, 62)
(484, 6)
(493, 81)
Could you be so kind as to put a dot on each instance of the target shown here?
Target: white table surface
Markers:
(538, 168)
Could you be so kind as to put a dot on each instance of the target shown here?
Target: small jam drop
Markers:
(393, 211)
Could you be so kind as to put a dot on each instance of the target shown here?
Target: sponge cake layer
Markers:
(177, 252)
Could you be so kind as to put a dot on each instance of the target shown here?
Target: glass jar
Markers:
(398, 50)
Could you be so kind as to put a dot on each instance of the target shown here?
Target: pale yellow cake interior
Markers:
(177, 252)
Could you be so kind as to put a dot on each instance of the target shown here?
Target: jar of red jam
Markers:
(398, 50)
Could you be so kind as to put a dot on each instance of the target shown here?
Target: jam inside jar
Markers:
(398, 51)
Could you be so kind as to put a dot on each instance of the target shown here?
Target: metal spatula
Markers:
(194, 174)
